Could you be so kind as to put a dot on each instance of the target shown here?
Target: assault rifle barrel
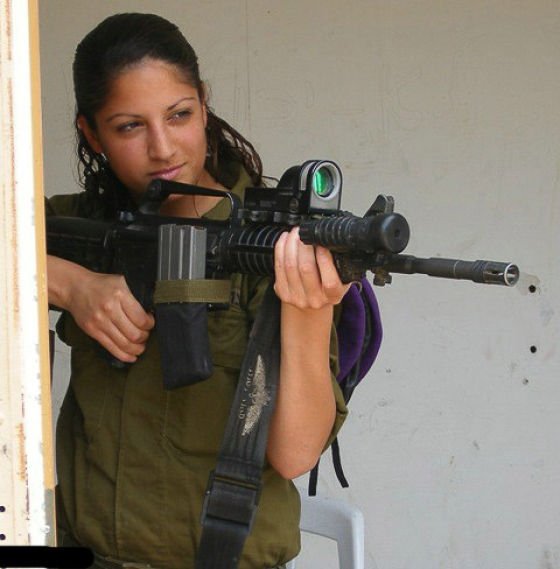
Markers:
(487, 272)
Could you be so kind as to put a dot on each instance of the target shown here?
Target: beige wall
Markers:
(452, 107)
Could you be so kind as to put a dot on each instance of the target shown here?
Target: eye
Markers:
(128, 127)
(181, 115)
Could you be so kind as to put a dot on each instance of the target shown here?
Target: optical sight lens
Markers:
(323, 183)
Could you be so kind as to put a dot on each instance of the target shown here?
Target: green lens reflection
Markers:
(323, 183)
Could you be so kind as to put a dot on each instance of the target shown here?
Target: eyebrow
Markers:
(133, 115)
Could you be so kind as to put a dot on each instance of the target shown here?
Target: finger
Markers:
(122, 355)
(124, 332)
(292, 266)
(310, 275)
(136, 314)
(112, 340)
(112, 328)
(280, 284)
(333, 287)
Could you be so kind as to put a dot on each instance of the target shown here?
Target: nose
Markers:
(160, 143)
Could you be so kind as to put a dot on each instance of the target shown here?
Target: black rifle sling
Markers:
(234, 486)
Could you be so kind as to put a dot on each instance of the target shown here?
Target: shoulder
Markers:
(242, 180)
(74, 205)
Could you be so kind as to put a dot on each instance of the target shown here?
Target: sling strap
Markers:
(234, 485)
(193, 290)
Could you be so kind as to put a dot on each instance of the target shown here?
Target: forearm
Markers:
(305, 408)
(62, 277)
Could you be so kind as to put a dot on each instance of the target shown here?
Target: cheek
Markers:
(124, 155)
(128, 165)
(194, 140)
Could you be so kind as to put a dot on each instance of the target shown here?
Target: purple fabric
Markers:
(351, 330)
(372, 348)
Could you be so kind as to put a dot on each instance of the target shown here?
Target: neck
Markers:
(191, 205)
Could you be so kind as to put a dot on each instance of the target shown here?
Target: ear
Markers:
(204, 94)
(90, 134)
(205, 114)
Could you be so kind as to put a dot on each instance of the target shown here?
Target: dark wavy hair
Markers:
(117, 43)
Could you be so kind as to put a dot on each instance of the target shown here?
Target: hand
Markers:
(306, 276)
(105, 309)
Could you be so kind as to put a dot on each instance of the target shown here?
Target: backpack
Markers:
(359, 334)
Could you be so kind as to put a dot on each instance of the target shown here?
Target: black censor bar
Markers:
(44, 556)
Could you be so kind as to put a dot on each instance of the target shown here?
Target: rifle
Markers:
(164, 258)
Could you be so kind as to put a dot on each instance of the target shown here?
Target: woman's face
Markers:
(152, 126)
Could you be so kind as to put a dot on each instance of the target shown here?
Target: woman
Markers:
(133, 459)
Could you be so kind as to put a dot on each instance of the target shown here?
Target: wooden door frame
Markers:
(26, 441)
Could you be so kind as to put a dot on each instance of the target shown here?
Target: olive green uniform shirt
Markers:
(133, 459)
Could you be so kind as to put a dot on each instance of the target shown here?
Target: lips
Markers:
(167, 174)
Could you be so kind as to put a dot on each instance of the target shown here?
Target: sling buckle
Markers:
(231, 500)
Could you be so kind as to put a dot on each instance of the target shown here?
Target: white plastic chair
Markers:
(335, 520)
